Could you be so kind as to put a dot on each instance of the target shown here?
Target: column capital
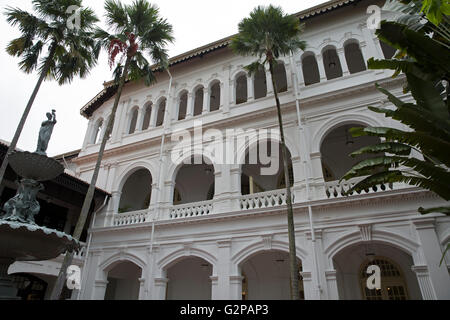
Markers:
(424, 223)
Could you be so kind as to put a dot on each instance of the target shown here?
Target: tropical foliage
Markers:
(51, 46)
(269, 34)
(138, 31)
(418, 155)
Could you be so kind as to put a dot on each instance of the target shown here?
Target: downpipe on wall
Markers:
(306, 161)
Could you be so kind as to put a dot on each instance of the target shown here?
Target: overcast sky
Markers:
(195, 22)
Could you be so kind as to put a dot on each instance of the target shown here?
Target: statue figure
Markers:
(24, 206)
(45, 133)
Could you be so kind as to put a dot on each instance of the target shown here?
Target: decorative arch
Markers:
(290, 144)
(214, 94)
(354, 56)
(99, 124)
(181, 110)
(338, 121)
(130, 169)
(378, 236)
(261, 246)
(178, 255)
(175, 166)
(119, 257)
(133, 118)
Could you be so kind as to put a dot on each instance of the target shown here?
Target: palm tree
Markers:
(138, 30)
(268, 34)
(49, 44)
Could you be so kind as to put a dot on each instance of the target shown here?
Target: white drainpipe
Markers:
(86, 253)
(305, 162)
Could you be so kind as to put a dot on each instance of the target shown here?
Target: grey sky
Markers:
(195, 22)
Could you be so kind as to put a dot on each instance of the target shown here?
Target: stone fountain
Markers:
(21, 239)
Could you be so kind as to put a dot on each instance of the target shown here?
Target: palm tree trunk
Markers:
(290, 212)
(25, 114)
(56, 293)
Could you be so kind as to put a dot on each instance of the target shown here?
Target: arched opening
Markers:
(194, 182)
(214, 96)
(398, 281)
(388, 51)
(182, 106)
(133, 120)
(147, 116)
(331, 63)
(198, 102)
(241, 89)
(97, 130)
(354, 57)
(136, 192)
(310, 69)
(260, 83)
(267, 277)
(336, 149)
(161, 113)
(123, 282)
(263, 170)
(279, 74)
(189, 279)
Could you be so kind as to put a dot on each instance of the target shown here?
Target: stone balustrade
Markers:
(265, 200)
(130, 218)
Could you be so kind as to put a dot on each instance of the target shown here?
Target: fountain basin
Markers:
(35, 166)
(25, 242)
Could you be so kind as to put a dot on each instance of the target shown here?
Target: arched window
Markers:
(241, 89)
(331, 63)
(354, 57)
(279, 74)
(310, 69)
(393, 284)
(182, 107)
(136, 192)
(161, 112)
(133, 120)
(147, 116)
(260, 84)
(388, 51)
(97, 129)
(198, 102)
(214, 95)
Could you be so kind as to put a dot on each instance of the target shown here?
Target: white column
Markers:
(140, 119)
(426, 287)
(332, 288)
(142, 288)
(89, 133)
(215, 291)
(308, 285)
(206, 100)
(121, 121)
(160, 288)
(289, 73)
(225, 92)
(299, 72)
(100, 289)
(439, 276)
(236, 287)
(222, 270)
(343, 60)
(323, 75)
(372, 42)
(154, 115)
(250, 88)
(190, 106)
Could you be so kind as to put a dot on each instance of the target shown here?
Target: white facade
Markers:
(162, 238)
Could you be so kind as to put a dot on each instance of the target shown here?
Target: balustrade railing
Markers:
(130, 218)
(191, 210)
(334, 189)
(265, 200)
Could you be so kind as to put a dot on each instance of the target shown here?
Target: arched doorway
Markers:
(189, 279)
(266, 276)
(123, 282)
(398, 281)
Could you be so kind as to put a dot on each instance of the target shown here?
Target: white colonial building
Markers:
(217, 229)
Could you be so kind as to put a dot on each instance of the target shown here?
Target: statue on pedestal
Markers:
(45, 133)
